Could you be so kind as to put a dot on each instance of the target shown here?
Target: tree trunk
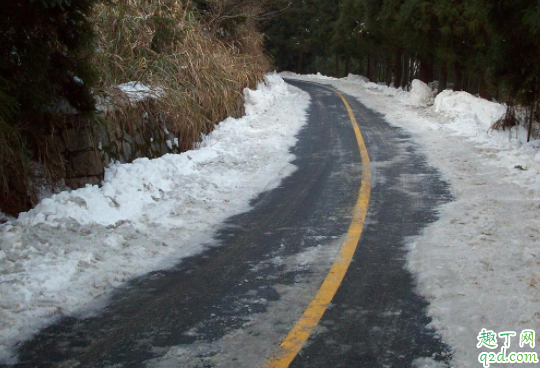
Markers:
(388, 70)
(347, 65)
(412, 70)
(531, 119)
(458, 75)
(443, 80)
(534, 97)
(483, 89)
(375, 67)
(406, 71)
(426, 70)
(469, 86)
(336, 65)
(368, 68)
(398, 71)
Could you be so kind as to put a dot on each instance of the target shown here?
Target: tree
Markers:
(45, 48)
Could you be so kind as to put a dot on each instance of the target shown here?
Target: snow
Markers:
(137, 91)
(472, 113)
(479, 264)
(3, 217)
(65, 256)
(356, 78)
(427, 363)
(420, 93)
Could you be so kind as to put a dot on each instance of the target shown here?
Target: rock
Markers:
(55, 143)
(127, 150)
(147, 136)
(78, 139)
(85, 164)
(139, 139)
(119, 133)
(115, 149)
(76, 183)
(106, 158)
(164, 149)
(103, 135)
(80, 122)
(129, 138)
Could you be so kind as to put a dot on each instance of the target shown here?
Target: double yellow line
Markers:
(296, 338)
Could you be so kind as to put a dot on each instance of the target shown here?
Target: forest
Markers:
(484, 47)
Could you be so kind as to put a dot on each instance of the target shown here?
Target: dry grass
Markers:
(164, 44)
(13, 170)
(508, 120)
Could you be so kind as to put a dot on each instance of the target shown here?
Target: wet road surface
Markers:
(233, 304)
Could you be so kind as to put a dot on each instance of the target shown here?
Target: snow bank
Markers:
(478, 265)
(421, 93)
(76, 246)
(356, 78)
(464, 106)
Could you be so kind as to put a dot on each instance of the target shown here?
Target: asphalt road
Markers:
(232, 305)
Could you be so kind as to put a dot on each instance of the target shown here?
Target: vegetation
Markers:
(44, 57)
(57, 57)
(201, 56)
(484, 47)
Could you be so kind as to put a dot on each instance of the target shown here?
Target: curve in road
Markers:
(232, 305)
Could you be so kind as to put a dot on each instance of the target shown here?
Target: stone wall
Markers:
(88, 147)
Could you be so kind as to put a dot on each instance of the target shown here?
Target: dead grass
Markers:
(201, 65)
(508, 120)
(164, 44)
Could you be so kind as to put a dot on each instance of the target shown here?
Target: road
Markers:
(234, 304)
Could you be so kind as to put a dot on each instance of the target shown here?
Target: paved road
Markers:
(232, 305)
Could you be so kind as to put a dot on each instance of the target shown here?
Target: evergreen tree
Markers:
(44, 53)
(300, 33)
(45, 47)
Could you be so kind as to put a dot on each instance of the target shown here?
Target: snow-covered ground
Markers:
(479, 265)
(67, 254)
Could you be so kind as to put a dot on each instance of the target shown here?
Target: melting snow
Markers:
(479, 265)
(77, 246)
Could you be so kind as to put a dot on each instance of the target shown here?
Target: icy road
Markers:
(234, 304)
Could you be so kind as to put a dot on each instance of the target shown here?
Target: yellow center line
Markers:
(299, 334)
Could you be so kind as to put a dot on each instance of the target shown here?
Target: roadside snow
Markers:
(479, 265)
(77, 246)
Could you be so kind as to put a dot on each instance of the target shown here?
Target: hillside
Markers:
(140, 79)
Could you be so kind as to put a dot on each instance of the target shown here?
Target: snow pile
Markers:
(316, 77)
(479, 263)
(421, 93)
(356, 78)
(264, 98)
(76, 246)
(466, 107)
(137, 91)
